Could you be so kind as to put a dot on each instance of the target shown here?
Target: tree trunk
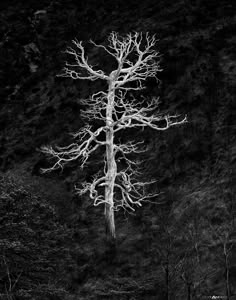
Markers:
(111, 165)
(227, 286)
(167, 282)
(189, 291)
(110, 221)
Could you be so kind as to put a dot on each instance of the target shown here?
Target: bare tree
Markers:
(224, 239)
(12, 280)
(136, 59)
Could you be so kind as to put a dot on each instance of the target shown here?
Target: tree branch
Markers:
(81, 62)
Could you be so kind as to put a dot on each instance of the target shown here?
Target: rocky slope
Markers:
(184, 247)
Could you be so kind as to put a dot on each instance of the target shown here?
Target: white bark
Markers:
(115, 189)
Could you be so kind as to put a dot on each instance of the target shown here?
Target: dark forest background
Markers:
(53, 243)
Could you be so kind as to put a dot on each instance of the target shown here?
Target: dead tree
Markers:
(136, 60)
(225, 240)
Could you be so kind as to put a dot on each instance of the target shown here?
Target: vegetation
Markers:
(34, 246)
(181, 248)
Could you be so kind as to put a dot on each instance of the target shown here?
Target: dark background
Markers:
(52, 242)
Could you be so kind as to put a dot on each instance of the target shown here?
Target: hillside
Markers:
(184, 246)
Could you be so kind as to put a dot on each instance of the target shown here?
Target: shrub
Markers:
(34, 251)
